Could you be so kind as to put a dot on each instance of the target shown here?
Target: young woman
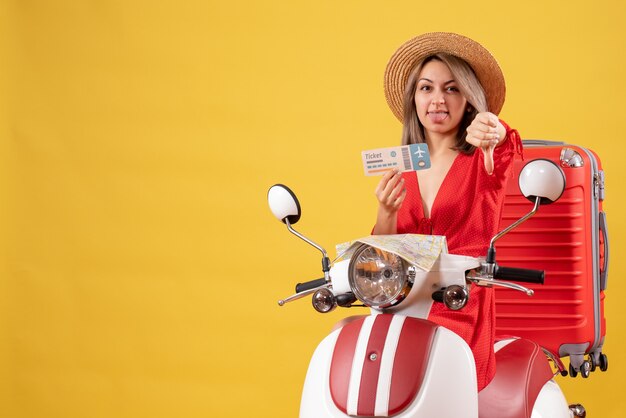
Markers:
(447, 90)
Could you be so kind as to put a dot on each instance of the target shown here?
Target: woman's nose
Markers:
(438, 99)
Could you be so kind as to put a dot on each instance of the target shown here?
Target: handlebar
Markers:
(301, 287)
(519, 274)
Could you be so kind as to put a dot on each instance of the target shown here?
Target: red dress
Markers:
(467, 211)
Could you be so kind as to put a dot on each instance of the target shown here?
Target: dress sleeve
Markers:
(512, 143)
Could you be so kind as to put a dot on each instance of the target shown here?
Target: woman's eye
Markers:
(425, 88)
(453, 89)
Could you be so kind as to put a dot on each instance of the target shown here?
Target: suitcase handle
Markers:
(519, 275)
(605, 267)
(541, 142)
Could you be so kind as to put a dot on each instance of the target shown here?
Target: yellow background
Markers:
(140, 266)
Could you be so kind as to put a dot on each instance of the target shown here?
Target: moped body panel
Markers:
(446, 387)
(551, 403)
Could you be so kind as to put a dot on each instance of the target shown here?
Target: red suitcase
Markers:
(568, 239)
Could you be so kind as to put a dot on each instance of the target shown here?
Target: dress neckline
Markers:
(441, 186)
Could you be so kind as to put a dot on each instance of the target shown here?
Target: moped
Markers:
(394, 362)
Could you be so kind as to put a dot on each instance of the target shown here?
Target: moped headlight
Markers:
(379, 279)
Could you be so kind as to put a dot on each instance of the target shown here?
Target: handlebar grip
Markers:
(519, 275)
(301, 287)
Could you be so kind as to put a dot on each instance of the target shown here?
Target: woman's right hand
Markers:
(390, 191)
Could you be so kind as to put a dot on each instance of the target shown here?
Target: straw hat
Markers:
(415, 50)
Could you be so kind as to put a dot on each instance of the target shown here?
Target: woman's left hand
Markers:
(486, 132)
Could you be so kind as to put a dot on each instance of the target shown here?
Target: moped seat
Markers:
(522, 369)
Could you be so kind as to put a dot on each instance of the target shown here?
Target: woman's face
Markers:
(439, 103)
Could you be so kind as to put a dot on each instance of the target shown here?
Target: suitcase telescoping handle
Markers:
(541, 143)
(519, 275)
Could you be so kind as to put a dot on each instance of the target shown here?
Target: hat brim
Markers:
(404, 60)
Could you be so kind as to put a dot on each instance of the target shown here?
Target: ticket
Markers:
(404, 158)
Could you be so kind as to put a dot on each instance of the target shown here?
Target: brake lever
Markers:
(302, 294)
(487, 281)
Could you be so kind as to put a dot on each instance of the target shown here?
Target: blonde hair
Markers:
(470, 88)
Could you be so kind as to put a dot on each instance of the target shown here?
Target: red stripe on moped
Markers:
(410, 361)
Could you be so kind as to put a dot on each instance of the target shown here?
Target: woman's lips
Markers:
(437, 117)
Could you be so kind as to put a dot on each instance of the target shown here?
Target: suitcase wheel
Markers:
(592, 361)
(604, 362)
(585, 369)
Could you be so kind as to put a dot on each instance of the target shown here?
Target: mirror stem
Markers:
(325, 259)
(491, 254)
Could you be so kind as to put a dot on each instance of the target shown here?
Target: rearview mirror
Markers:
(283, 203)
(542, 179)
